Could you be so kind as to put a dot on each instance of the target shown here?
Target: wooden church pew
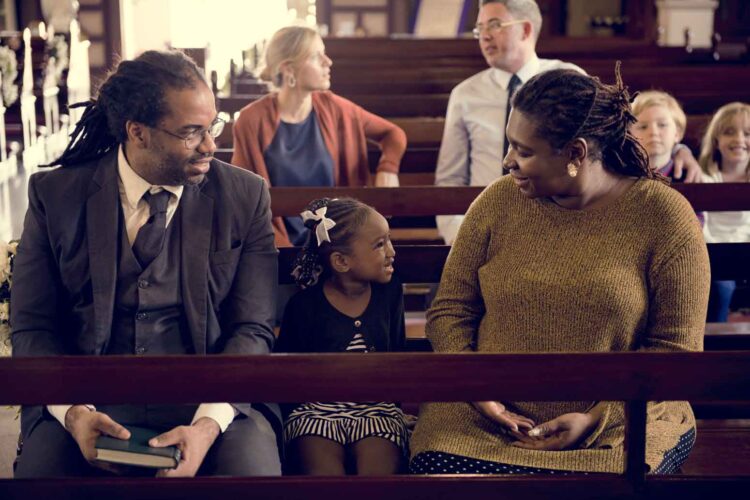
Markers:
(634, 378)
(436, 52)
(443, 200)
(425, 134)
(423, 264)
(432, 105)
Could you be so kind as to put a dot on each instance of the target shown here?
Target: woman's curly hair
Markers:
(566, 104)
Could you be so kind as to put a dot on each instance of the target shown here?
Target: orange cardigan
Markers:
(344, 127)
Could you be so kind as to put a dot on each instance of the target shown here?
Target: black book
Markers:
(136, 451)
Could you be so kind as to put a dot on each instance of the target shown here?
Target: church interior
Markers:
(404, 61)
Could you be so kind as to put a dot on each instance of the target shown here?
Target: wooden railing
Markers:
(634, 378)
(442, 200)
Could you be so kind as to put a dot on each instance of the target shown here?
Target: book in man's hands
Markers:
(136, 451)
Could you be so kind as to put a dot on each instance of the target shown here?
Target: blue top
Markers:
(297, 156)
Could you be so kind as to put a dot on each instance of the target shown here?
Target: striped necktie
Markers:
(514, 83)
(150, 238)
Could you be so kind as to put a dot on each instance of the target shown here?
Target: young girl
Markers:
(660, 126)
(725, 157)
(349, 302)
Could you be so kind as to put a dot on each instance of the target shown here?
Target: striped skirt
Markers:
(347, 423)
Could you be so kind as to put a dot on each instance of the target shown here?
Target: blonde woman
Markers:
(660, 127)
(725, 157)
(304, 135)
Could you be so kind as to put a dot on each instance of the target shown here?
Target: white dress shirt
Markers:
(472, 146)
(135, 211)
(726, 227)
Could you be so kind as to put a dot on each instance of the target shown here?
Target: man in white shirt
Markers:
(472, 147)
(142, 244)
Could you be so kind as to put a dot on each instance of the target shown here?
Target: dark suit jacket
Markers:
(66, 266)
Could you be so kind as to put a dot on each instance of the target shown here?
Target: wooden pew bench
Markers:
(417, 165)
(723, 439)
(465, 51)
(671, 79)
(427, 201)
(634, 378)
(694, 101)
(423, 264)
(727, 423)
(425, 135)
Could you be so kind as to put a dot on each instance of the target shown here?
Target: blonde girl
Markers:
(725, 157)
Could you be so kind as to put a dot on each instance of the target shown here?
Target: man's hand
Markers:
(496, 411)
(193, 442)
(560, 433)
(684, 159)
(386, 179)
(86, 425)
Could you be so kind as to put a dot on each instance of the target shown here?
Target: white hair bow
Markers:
(321, 230)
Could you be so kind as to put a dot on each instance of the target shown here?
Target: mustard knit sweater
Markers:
(529, 276)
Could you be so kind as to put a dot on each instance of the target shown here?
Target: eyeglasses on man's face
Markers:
(494, 26)
(195, 138)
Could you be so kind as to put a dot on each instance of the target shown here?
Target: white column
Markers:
(675, 16)
(79, 79)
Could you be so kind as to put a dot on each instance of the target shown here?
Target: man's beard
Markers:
(174, 169)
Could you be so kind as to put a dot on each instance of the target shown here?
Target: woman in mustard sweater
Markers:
(580, 249)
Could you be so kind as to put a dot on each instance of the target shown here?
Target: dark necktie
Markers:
(150, 236)
(514, 83)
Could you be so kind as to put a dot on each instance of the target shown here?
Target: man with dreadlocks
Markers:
(141, 243)
(556, 257)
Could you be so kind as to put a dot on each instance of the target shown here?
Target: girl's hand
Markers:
(516, 424)
(386, 179)
(561, 433)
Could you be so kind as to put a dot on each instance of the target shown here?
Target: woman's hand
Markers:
(386, 179)
(513, 422)
(561, 433)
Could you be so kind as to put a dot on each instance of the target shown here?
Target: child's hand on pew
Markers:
(386, 179)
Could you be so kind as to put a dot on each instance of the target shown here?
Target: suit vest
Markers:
(148, 316)
(148, 319)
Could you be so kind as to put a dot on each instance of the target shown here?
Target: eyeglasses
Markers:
(193, 139)
(494, 26)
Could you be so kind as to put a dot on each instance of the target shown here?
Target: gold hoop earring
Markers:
(572, 169)
(292, 81)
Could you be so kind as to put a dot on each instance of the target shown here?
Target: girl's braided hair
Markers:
(313, 262)
(566, 104)
(134, 91)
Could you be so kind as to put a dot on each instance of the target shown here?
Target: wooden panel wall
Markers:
(100, 22)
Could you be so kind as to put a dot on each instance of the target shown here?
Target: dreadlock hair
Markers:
(135, 91)
(313, 262)
(566, 105)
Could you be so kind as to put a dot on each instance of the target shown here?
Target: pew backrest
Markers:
(634, 378)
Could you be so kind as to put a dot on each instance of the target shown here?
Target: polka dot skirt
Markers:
(435, 462)
(675, 457)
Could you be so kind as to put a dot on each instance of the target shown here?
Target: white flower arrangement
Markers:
(9, 70)
(7, 255)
